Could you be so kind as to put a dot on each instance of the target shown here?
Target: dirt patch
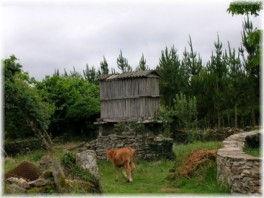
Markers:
(25, 170)
(194, 160)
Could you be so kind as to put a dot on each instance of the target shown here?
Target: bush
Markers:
(14, 147)
(187, 136)
(24, 105)
(77, 105)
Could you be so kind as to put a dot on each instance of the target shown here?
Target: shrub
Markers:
(14, 147)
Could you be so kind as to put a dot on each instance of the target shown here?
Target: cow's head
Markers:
(110, 153)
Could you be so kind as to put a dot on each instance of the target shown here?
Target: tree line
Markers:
(223, 91)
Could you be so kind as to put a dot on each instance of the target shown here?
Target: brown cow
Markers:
(122, 158)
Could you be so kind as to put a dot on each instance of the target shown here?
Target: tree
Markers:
(251, 38)
(91, 74)
(142, 64)
(26, 113)
(218, 71)
(104, 66)
(173, 78)
(122, 63)
(245, 7)
(192, 60)
(76, 102)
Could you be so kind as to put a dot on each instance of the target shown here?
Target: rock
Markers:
(19, 182)
(45, 162)
(38, 182)
(87, 160)
(14, 189)
(58, 176)
(46, 174)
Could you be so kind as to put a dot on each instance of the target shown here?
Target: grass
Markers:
(149, 177)
(256, 152)
(181, 151)
(204, 180)
(34, 157)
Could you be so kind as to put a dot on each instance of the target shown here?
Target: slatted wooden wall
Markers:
(129, 99)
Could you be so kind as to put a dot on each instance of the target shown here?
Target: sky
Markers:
(49, 35)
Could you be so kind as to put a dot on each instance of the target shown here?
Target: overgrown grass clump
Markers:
(204, 179)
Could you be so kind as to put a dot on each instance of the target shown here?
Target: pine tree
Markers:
(173, 78)
(104, 66)
(122, 63)
(218, 72)
(91, 74)
(142, 64)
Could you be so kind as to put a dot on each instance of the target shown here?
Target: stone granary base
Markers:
(148, 147)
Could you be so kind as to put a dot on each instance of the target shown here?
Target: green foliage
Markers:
(76, 102)
(256, 152)
(104, 66)
(122, 63)
(90, 74)
(182, 114)
(173, 77)
(68, 159)
(14, 147)
(192, 61)
(185, 110)
(26, 113)
(245, 7)
(142, 64)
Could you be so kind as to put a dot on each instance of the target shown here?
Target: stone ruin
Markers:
(148, 147)
(239, 170)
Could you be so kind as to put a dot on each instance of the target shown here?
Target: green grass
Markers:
(149, 177)
(33, 157)
(181, 151)
(256, 152)
(204, 179)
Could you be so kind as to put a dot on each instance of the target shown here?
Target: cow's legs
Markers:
(128, 171)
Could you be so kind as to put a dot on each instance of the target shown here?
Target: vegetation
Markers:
(221, 92)
(256, 152)
(152, 177)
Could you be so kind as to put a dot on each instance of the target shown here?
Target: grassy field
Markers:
(150, 177)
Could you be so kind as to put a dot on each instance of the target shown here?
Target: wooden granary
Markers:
(131, 96)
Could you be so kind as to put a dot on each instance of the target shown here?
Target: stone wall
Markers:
(148, 147)
(237, 169)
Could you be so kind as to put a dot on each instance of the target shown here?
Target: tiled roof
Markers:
(135, 74)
